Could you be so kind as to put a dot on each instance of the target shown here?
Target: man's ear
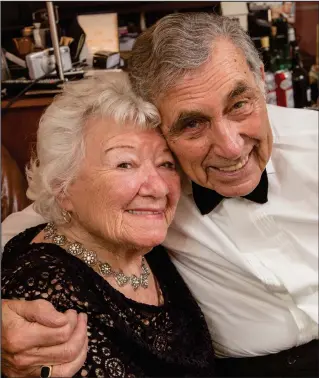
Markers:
(262, 72)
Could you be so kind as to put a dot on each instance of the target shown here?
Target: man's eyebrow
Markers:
(120, 146)
(240, 88)
(183, 117)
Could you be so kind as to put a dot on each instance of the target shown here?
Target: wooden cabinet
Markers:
(20, 125)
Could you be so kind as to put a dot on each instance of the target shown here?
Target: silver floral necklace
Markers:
(90, 258)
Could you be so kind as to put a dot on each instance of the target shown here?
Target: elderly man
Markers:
(245, 236)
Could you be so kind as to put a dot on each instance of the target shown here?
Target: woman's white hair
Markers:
(180, 43)
(60, 137)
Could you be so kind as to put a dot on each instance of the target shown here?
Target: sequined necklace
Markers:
(90, 258)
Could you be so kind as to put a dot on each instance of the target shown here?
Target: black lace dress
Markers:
(126, 338)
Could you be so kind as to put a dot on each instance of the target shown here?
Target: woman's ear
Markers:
(64, 202)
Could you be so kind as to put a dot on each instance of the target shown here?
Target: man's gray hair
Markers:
(60, 137)
(179, 43)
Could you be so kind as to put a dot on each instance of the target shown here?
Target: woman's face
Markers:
(127, 188)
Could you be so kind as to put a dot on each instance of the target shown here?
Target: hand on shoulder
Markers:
(34, 333)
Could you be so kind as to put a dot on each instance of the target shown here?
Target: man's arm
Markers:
(34, 333)
(18, 222)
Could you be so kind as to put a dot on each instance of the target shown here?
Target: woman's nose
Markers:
(154, 185)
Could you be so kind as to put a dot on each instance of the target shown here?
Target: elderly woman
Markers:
(107, 184)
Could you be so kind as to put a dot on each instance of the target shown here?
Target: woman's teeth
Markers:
(235, 167)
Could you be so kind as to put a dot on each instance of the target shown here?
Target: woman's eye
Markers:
(125, 165)
(169, 165)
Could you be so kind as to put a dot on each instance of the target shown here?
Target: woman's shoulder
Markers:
(20, 249)
(23, 259)
(44, 271)
(20, 243)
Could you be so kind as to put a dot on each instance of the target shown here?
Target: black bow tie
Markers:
(207, 199)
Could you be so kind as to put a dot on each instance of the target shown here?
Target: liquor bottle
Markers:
(300, 83)
(291, 40)
(288, 49)
(271, 97)
(280, 24)
(275, 52)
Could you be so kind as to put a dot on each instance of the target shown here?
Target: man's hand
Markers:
(34, 333)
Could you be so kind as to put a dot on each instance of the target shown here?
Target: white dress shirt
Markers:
(252, 268)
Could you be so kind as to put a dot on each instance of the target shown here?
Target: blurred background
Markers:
(45, 44)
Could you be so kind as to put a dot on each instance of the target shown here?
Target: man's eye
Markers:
(239, 105)
(125, 165)
(169, 165)
(192, 124)
(196, 124)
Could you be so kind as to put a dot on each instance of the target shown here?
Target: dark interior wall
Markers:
(307, 18)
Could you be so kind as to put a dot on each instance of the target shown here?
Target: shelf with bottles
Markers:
(287, 82)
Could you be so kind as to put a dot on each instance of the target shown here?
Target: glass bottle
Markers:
(300, 82)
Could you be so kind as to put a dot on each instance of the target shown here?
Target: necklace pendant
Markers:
(59, 239)
(121, 279)
(135, 282)
(144, 281)
(105, 269)
(75, 248)
(89, 257)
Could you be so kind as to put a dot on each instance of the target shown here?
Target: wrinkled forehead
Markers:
(225, 59)
(210, 83)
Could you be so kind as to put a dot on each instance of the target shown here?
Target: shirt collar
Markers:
(206, 199)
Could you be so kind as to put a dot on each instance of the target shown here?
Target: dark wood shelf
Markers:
(26, 102)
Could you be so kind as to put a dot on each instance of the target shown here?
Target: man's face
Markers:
(215, 121)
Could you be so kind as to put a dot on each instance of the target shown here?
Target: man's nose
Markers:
(153, 185)
(227, 140)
